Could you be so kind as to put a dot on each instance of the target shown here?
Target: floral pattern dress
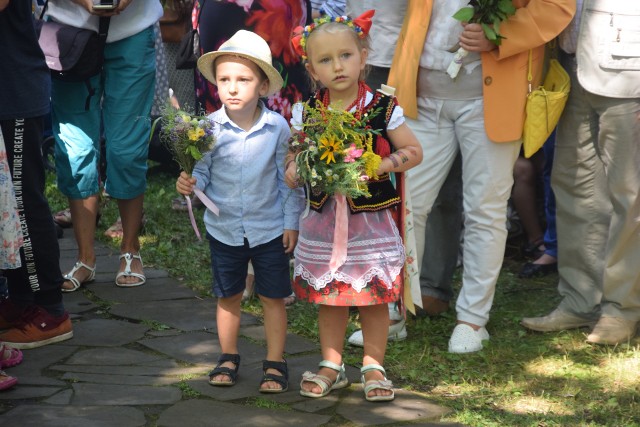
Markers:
(274, 21)
(10, 231)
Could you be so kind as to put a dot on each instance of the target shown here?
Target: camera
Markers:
(106, 5)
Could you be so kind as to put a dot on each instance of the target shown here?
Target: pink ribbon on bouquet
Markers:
(209, 205)
(340, 234)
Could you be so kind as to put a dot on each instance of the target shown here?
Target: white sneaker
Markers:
(465, 339)
(397, 332)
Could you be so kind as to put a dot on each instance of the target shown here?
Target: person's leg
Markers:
(583, 211)
(272, 284)
(618, 149)
(131, 216)
(228, 327)
(332, 325)
(525, 177)
(372, 317)
(39, 278)
(548, 262)
(228, 267)
(83, 211)
(436, 135)
(442, 243)
(550, 234)
(129, 88)
(487, 174)
(275, 328)
(77, 134)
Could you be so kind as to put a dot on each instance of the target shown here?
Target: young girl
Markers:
(370, 276)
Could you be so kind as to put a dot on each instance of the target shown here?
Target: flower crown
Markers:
(361, 25)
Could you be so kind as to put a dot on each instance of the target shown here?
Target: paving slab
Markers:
(186, 314)
(131, 370)
(295, 344)
(37, 359)
(61, 398)
(105, 333)
(202, 348)
(116, 395)
(201, 413)
(77, 302)
(60, 416)
(113, 378)
(112, 356)
(164, 288)
(406, 407)
(27, 392)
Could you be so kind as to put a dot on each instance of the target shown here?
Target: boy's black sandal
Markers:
(223, 370)
(283, 379)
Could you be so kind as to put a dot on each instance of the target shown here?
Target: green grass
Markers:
(520, 379)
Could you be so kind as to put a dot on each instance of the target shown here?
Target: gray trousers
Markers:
(596, 180)
(444, 223)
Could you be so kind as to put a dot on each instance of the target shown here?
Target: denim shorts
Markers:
(270, 264)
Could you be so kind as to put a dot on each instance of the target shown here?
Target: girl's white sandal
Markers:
(377, 384)
(324, 382)
(129, 257)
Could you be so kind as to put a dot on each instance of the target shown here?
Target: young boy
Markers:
(258, 220)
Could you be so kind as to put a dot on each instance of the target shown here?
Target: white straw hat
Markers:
(244, 44)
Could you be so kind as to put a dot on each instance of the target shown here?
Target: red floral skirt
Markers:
(342, 294)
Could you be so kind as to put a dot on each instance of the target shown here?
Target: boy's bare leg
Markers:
(275, 328)
(228, 322)
(374, 320)
(332, 325)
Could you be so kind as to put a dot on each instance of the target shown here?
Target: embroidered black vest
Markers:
(383, 193)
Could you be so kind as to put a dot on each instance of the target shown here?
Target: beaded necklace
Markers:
(359, 102)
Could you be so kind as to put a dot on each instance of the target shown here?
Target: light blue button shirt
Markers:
(244, 176)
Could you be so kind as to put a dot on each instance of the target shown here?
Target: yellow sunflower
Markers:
(330, 144)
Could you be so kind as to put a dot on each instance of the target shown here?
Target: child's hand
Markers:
(289, 240)
(185, 184)
(291, 175)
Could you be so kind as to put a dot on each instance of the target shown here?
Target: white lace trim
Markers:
(358, 283)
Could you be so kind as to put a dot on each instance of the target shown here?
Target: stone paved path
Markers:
(139, 357)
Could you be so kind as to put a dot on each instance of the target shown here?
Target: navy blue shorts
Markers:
(270, 264)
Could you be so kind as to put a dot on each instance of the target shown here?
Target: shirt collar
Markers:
(265, 118)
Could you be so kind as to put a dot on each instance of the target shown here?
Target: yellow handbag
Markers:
(544, 106)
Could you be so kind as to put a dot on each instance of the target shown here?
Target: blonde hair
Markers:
(332, 28)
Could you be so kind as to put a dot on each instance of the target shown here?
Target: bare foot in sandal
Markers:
(80, 274)
(131, 271)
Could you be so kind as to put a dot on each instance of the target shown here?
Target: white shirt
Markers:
(385, 28)
(140, 14)
(444, 34)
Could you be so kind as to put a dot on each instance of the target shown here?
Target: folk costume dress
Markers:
(371, 274)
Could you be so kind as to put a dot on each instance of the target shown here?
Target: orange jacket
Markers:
(504, 70)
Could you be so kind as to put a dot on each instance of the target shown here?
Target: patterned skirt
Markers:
(372, 272)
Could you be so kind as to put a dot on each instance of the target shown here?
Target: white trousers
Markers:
(443, 128)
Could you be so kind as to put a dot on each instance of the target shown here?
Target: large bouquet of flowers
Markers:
(334, 152)
(187, 136)
(489, 14)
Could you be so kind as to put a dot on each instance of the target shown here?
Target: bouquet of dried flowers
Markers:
(489, 14)
(187, 136)
(334, 152)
